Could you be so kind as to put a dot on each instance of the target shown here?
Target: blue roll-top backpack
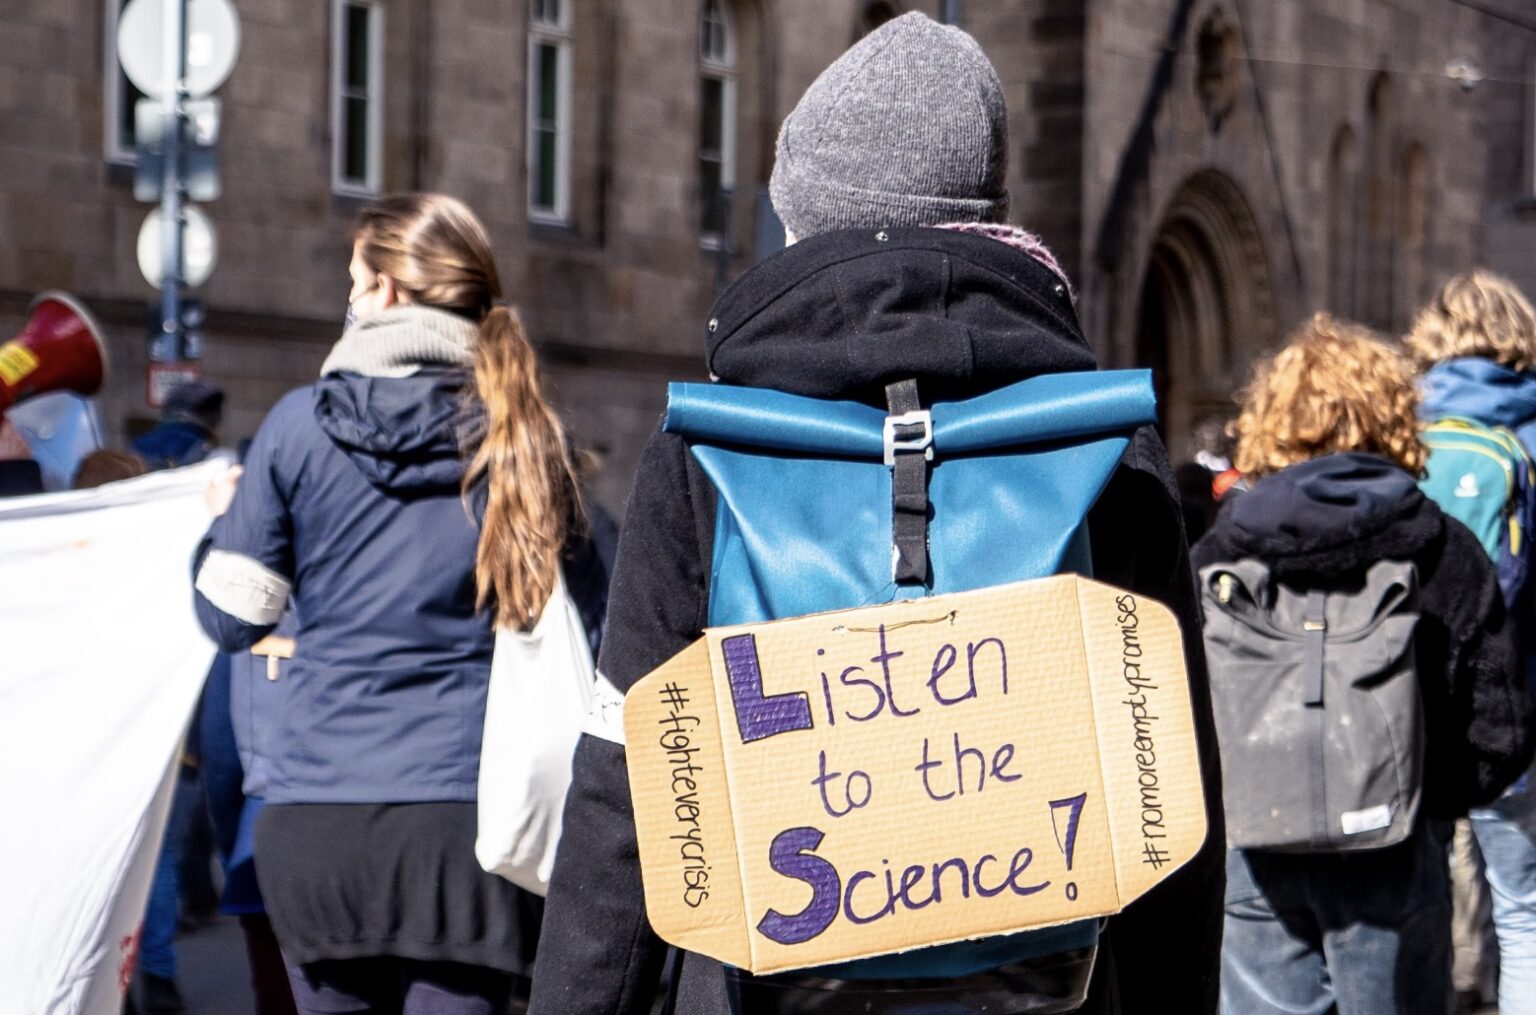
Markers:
(828, 505)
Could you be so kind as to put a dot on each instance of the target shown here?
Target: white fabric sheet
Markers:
(101, 662)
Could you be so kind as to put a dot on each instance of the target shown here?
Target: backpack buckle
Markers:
(906, 443)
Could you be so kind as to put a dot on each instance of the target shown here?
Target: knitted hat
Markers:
(907, 128)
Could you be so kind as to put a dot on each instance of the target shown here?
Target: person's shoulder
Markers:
(1212, 547)
(664, 465)
(293, 413)
(1454, 568)
(1145, 452)
(298, 402)
(288, 429)
(1142, 483)
(1459, 546)
(664, 445)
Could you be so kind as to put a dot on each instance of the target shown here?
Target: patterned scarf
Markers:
(1018, 239)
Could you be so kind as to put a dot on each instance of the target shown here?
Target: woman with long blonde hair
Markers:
(421, 490)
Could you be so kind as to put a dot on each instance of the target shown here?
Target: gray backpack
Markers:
(1318, 712)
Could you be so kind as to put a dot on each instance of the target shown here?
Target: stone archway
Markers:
(1207, 305)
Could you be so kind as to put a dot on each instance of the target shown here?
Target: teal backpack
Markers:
(1482, 477)
(827, 505)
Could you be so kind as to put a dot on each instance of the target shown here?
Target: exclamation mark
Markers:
(1067, 843)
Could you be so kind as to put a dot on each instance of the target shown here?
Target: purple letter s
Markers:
(791, 855)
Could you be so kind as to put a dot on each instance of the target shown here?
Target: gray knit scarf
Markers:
(401, 340)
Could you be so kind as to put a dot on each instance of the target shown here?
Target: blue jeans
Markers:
(157, 945)
(1506, 834)
(1365, 933)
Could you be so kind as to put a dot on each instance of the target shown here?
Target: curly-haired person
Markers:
(1328, 434)
(1476, 341)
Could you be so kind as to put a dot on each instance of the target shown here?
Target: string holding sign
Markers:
(845, 629)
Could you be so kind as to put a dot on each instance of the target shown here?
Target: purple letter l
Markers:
(756, 716)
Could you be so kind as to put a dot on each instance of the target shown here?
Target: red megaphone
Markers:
(60, 349)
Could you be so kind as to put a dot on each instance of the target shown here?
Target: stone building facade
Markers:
(1276, 159)
(1510, 95)
(1208, 170)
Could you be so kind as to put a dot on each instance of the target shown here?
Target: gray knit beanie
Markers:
(907, 128)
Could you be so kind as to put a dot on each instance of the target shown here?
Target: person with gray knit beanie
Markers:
(904, 291)
(907, 128)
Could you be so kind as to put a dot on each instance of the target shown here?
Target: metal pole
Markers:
(951, 13)
(172, 132)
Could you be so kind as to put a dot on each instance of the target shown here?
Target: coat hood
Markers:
(1330, 515)
(1480, 389)
(401, 432)
(842, 314)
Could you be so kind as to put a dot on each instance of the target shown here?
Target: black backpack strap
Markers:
(908, 450)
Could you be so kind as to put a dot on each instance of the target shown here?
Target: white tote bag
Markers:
(540, 694)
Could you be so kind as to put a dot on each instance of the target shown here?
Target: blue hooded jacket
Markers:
(171, 445)
(1482, 390)
(351, 496)
(1486, 392)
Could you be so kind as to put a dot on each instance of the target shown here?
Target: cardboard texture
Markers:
(849, 784)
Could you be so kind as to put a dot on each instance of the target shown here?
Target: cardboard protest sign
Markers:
(849, 784)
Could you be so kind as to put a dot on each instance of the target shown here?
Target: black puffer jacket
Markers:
(1324, 522)
(837, 316)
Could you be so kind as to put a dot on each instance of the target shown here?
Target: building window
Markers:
(1413, 225)
(1376, 296)
(357, 96)
(549, 111)
(120, 95)
(1343, 176)
(717, 119)
(1530, 125)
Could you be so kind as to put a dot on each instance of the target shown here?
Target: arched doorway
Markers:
(1207, 307)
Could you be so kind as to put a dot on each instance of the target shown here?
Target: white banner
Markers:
(101, 663)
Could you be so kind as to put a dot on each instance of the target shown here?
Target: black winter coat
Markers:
(837, 316)
(1321, 524)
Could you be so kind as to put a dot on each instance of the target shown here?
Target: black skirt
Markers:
(346, 881)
